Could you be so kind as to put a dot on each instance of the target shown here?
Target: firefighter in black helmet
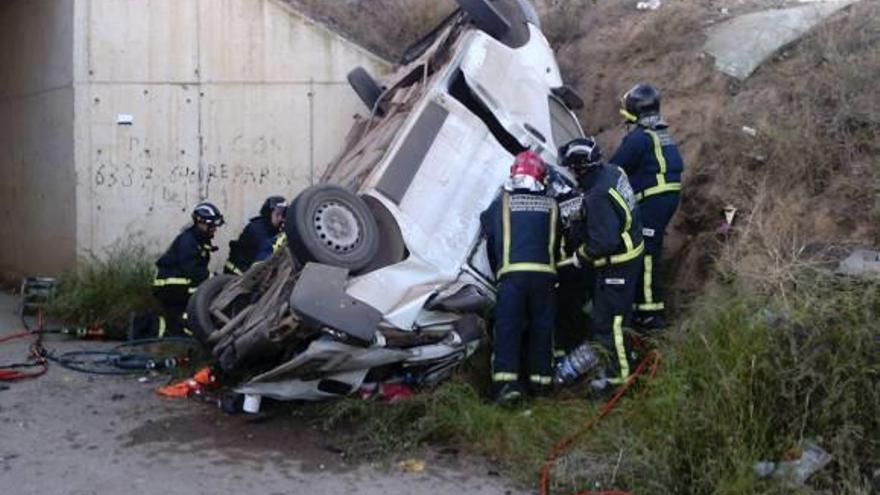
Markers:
(654, 165)
(256, 240)
(611, 251)
(184, 266)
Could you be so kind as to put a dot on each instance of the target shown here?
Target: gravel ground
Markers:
(71, 433)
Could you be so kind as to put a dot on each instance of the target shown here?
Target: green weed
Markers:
(742, 380)
(103, 289)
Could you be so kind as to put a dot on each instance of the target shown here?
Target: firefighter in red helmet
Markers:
(521, 226)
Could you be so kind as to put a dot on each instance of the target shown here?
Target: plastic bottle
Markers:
(575, 365)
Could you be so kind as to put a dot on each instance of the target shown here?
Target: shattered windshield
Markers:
(565, 127)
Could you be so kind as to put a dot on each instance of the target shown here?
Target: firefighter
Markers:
(184, 266)
(612, 251)
(573, 287)
(654, 165)
(256, 240)
(521, 229)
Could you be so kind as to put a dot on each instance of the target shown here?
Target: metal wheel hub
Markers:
(337, 227)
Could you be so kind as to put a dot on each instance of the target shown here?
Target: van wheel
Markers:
(366, 88)
(486, 17)
(198, 310)
(330, 225)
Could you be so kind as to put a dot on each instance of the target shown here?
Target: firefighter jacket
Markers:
(612, 226)
(521, 228)
(651, 159)
(186, 261)
(256, 239)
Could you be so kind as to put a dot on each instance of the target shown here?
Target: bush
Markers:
(102, 290)
(746, 381)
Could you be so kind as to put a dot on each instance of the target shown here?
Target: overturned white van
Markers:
(386, 277)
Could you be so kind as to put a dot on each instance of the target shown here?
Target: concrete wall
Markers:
(37, 201)
(231, 101)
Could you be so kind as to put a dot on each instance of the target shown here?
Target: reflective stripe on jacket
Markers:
(522, 232)
(613, 226)
(652, 161)
(186, 260)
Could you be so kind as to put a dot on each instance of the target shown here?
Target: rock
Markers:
(743, 43)
(861, 262)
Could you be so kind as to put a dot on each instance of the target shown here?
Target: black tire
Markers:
(199, 320)
(330, 225)
(486, 17)
(366, 88)
(504, 20)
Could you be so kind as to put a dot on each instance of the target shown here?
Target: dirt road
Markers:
(70, 433)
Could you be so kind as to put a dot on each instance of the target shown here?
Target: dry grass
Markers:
(808, 176)
(386, 27)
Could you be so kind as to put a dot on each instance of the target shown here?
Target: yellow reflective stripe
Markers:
(620, 347)
(187, 331)
(558, 353)
(647, 279)
(527, 267)
(160, 282)
(627, 240)
(541, 379)
(163, 326)
(501, 376)
(553, 216)
(628, 116)
(279, 243)
(505, 229)
(506, 265)
(621, 258)
(664, 188)
(234, 269)
(622, 202)
(566, 262)
(658, 154)
(651, 307)
(192, 290)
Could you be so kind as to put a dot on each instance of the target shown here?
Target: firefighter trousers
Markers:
(657, 211)
(613, 290)
(525, 312)
(572, 320)
(174, 299)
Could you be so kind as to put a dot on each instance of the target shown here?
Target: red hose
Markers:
(653, 357)
(12, 374)
(13, 336)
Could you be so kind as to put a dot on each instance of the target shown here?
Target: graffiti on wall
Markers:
(176, 180)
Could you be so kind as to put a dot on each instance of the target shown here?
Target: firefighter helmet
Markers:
(272, 203)
(581, 154)
(527, 172)
(642, 100)
(207, 214)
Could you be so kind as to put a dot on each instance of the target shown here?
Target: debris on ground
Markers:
(860, 262)
(806, 461)
(413, 465)
(386, 392)
(202, 381)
